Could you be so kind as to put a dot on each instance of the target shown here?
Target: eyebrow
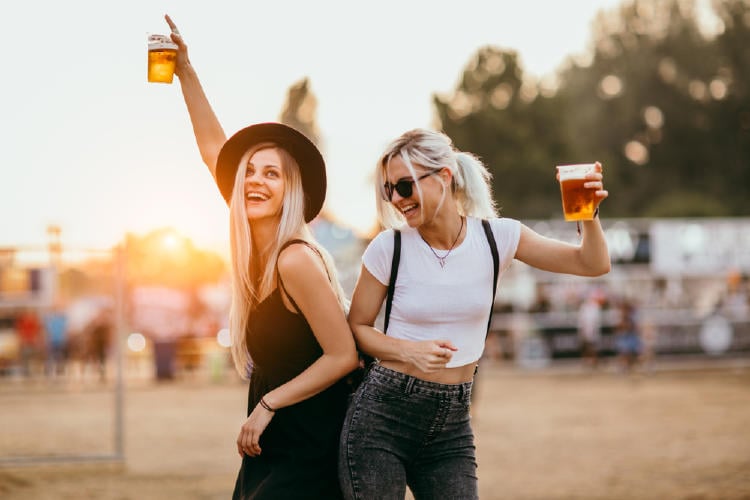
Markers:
(267, 165)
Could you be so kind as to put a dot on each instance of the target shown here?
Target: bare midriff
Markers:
(456, 375)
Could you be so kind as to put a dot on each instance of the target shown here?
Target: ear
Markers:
(446, 175)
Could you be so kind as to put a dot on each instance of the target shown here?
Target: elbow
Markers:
(346, 364)
(601, 269)
(352, 362)
(349, 360)
(594, 265)
(341, 364)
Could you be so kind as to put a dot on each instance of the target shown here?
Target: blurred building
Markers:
(688, 277)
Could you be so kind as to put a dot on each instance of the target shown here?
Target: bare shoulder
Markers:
(298, 262)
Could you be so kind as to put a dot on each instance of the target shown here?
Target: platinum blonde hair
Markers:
(250, 282)
(429, 149)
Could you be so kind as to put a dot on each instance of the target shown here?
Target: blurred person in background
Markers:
(649, 336)
(589, 327)
(735, 302)
(56, 327)
(409, 421)
(98, 341)
(627, 336)
(287, 319)
(28, 328)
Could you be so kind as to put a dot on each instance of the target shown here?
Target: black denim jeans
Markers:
(401, 430)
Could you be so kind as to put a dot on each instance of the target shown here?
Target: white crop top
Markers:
(452, 302)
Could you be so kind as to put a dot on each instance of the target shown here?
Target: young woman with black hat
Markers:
(409, 421)
(287, 320)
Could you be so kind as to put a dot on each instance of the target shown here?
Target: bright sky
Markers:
(89, 145)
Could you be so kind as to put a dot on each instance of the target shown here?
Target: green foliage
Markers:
(686, 204)
(518, 134)
(664, 107)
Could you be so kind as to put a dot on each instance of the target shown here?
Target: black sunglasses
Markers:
(404, 187)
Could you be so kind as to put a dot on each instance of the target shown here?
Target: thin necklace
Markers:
(441, 259)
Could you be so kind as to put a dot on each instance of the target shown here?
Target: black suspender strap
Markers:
(278, 274)
(366, 358)
(397, 257)
(394, 273)
(495, 267)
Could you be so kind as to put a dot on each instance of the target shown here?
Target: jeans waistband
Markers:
(413, 385)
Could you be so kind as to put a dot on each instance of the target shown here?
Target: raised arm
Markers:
(209, 135)
(590, 258)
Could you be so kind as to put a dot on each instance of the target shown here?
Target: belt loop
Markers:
(409, 385)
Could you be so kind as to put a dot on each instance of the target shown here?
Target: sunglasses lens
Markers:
(403, 188)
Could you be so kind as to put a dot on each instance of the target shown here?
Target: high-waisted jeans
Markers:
(402, 430)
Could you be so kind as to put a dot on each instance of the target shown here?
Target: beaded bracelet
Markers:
(266, 405)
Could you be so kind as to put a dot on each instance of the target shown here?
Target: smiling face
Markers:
(415, 209)
(264, 185)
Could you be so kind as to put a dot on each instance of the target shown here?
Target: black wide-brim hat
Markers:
(311, 164)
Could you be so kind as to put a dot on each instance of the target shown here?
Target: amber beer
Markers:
(578, 202)
(162, 55)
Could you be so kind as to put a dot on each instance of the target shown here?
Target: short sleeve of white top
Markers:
(451, 302)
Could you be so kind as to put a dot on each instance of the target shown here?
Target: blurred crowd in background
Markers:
(62, 320)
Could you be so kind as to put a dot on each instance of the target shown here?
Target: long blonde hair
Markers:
(434, 150)
(249, 289)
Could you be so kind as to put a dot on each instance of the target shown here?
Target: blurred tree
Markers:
(300, 110)
(731, 109)
(664, 106)
(645, 106)
(514, 125)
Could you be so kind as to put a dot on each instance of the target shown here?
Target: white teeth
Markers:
(255, 196)
(408, 207)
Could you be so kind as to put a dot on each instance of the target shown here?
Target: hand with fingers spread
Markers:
(430, 355)
(248, 441)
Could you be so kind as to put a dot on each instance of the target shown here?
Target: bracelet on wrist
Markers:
(266, 405)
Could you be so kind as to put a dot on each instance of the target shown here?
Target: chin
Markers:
(414, 220)
(256, 215)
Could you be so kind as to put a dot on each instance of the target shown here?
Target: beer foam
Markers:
(161, 42)
(577, 171)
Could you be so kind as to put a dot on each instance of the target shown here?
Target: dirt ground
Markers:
(679, 432)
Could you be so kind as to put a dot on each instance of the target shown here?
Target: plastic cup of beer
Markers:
(162, 56)
(578, 201)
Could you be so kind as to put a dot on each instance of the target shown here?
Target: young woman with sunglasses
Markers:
(408, 423)
(287, 320)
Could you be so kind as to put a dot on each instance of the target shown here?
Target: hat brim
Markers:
(308, 157)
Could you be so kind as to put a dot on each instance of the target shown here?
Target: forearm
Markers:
(209, 135)
(594, 253)
(320, 375)
(375, 343)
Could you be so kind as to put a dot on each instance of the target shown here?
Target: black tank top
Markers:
(282, 345)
